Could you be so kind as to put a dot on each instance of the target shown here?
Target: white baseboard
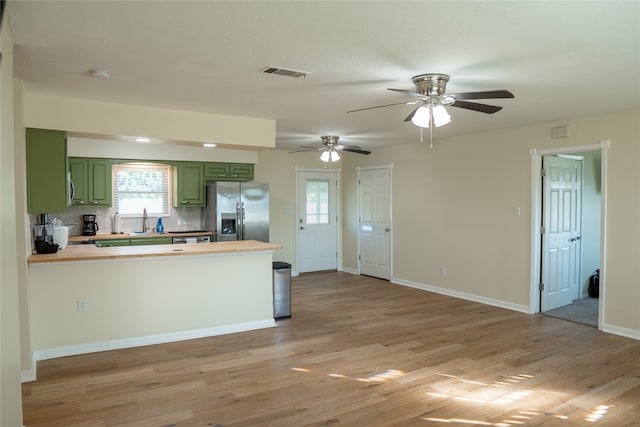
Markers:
(350, 270)
(51, 353)
(462, 295)
(619, 330)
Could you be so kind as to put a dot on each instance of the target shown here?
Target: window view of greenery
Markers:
(139, 186)
(317, 201)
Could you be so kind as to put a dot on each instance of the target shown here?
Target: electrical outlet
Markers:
(82, 305)
(443, 270)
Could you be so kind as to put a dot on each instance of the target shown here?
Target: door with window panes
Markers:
(317, 221)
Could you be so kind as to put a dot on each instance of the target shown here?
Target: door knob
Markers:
(301, 228)
(387, 230)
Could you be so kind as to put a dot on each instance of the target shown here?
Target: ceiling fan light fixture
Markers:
(334, 156)
(440, 116)
(325, 156)
(421, 117)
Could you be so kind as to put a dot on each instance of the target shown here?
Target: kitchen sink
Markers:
(140, 233)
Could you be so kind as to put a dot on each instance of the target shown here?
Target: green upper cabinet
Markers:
(47, 179)
(189, 184)
(240, 172)
(216, 171)
(91, 180)
(228, 171)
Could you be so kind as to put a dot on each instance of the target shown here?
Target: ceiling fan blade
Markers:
(380, 106)
(410, 116)
(408, 92)
(356, 150)
(489, 94)
(475, 106)
(307, 149)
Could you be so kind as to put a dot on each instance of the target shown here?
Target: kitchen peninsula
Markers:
(85, 298)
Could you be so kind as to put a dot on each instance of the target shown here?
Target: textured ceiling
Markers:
(560, 59)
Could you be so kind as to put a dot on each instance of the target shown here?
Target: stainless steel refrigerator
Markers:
(237, 210)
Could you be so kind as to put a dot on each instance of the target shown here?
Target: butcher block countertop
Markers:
(92, 253)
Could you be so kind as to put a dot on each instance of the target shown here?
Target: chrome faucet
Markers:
(144, 220)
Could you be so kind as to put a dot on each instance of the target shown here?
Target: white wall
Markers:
(453, 206)
(132, 301)
(109, 148)
(104, 118)
(278, 168)
(10, 367)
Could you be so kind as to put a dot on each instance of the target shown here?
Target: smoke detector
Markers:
(99, 74)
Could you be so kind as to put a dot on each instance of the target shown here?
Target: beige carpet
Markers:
(583, 311)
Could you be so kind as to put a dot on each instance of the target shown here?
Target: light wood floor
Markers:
(357, 352)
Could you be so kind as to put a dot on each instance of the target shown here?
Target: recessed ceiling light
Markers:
(142, 139)
(209, 145)
(100, 74)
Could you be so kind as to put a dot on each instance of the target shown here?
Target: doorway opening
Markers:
(575, 218)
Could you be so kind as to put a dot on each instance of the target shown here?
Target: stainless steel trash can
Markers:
(281, 289)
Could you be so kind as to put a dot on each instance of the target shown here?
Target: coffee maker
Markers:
(89, 225)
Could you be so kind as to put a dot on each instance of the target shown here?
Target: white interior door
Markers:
(374, 225)
(317, 221)
(561, 234)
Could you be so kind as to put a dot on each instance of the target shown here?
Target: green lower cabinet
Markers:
(108, 243)
(152, 241)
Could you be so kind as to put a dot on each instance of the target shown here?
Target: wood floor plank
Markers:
(358, 351)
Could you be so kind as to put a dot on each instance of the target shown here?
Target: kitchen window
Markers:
(137, 186)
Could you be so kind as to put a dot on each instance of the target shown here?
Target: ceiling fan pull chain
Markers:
(430, 125)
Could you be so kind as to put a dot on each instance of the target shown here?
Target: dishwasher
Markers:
(193, 239)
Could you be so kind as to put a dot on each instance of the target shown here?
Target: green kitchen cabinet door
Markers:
(91, 181)
(240, 172)
(47, 178)
(189, 184)
(152, 241)
(114, 242)
(99, 182)
(216, 171)
(78, 171)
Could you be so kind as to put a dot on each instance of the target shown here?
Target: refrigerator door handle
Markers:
(242, 220)
(238, 222)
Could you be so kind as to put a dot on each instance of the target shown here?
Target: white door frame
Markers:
(359, 195)
(536, 220)
(337, 171)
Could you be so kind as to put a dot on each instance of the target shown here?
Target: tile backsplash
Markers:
(181, 219)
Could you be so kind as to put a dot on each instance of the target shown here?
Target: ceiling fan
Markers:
(432, 99)
(330, 148)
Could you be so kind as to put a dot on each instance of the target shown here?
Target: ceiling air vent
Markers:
(285, 72)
